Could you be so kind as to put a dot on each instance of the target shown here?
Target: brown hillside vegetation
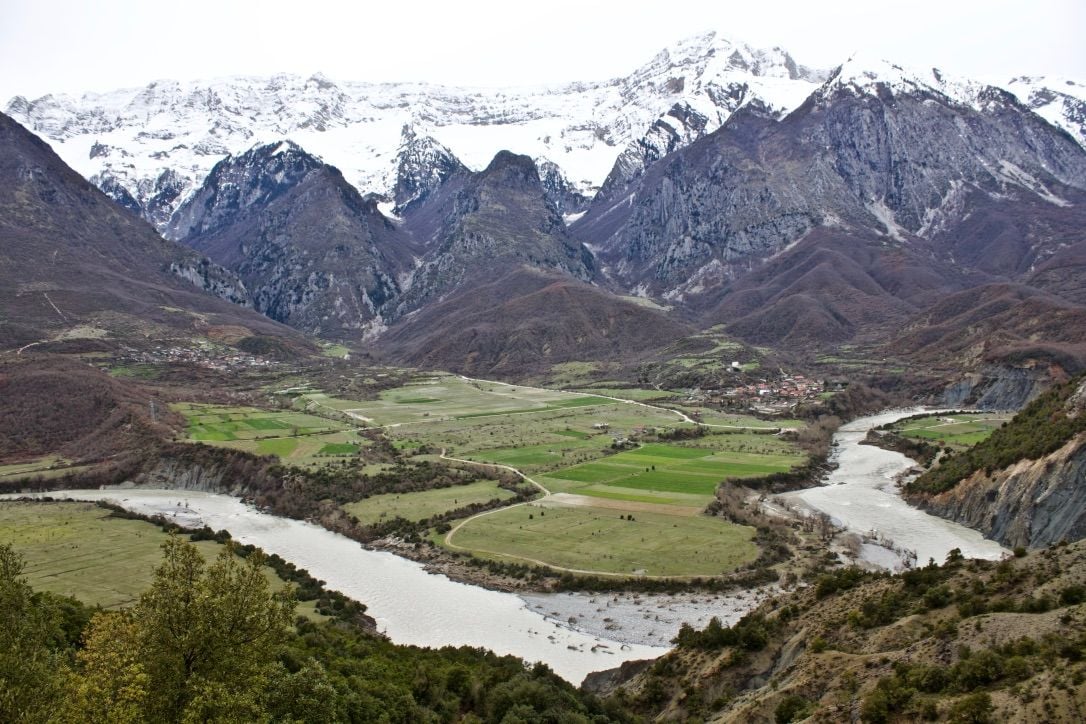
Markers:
(54, 406)
(971, 641)
(527, 320)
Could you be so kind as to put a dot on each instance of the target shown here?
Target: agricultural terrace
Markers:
(958, 431)
(81, 550)
(424, 504)
(295, 437)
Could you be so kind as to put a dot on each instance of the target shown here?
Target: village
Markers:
(197, 356)
(766, 396)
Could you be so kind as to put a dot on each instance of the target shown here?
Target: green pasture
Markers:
(957, 431)
(424, 504)
(79, 550)
(602, 539)
(658, 468)
(543, 441)
(447, 397)
(629, 393)
(295, 437)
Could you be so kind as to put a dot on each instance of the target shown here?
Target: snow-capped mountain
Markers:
(1060, 101)
(126, 140)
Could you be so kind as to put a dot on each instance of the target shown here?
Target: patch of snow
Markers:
(863, 74)
(1015, 175)
(387, 208)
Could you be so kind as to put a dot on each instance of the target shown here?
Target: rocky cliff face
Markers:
(559, 191)
(422, 167)
(1033, 503)
(494, 220)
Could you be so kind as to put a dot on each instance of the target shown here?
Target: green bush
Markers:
(792, 708)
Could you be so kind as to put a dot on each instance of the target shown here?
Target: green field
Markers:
(630, 393)
(667, 469)
(33, 466)
(78, 550)
(424, 504)
(957, 431)
(711, 416)
(537, 442)
(600, 539)
(296, 437)
(446, 397)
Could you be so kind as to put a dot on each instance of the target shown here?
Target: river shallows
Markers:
(861, 495)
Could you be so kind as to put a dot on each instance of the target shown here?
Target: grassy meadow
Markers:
(424, 504)
(958, 431)
(80, 550)
(295, 437)
(601, 539)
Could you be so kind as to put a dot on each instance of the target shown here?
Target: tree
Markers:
(199, 645)
(28, 665)
(113, 686)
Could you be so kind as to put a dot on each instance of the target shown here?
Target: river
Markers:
(861, 494)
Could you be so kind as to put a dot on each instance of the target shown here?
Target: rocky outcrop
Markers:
(212, 278)
(174, 474)
(559, 191)
(1035, 503)
(998, 388)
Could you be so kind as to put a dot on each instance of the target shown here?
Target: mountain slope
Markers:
(969, 641)
(314, 254)
(482, 225)
(525, 320)
(943, 185)
(72, 262)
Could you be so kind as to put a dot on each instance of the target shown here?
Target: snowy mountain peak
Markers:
(868, 74)
(1060, 101)
(422, 166)
(712, 54)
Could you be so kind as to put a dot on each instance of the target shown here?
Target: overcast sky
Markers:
(77, 45)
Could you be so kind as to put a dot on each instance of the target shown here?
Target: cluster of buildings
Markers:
(767, 396)
(206, 358)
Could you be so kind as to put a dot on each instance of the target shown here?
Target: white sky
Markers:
(76, 45)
